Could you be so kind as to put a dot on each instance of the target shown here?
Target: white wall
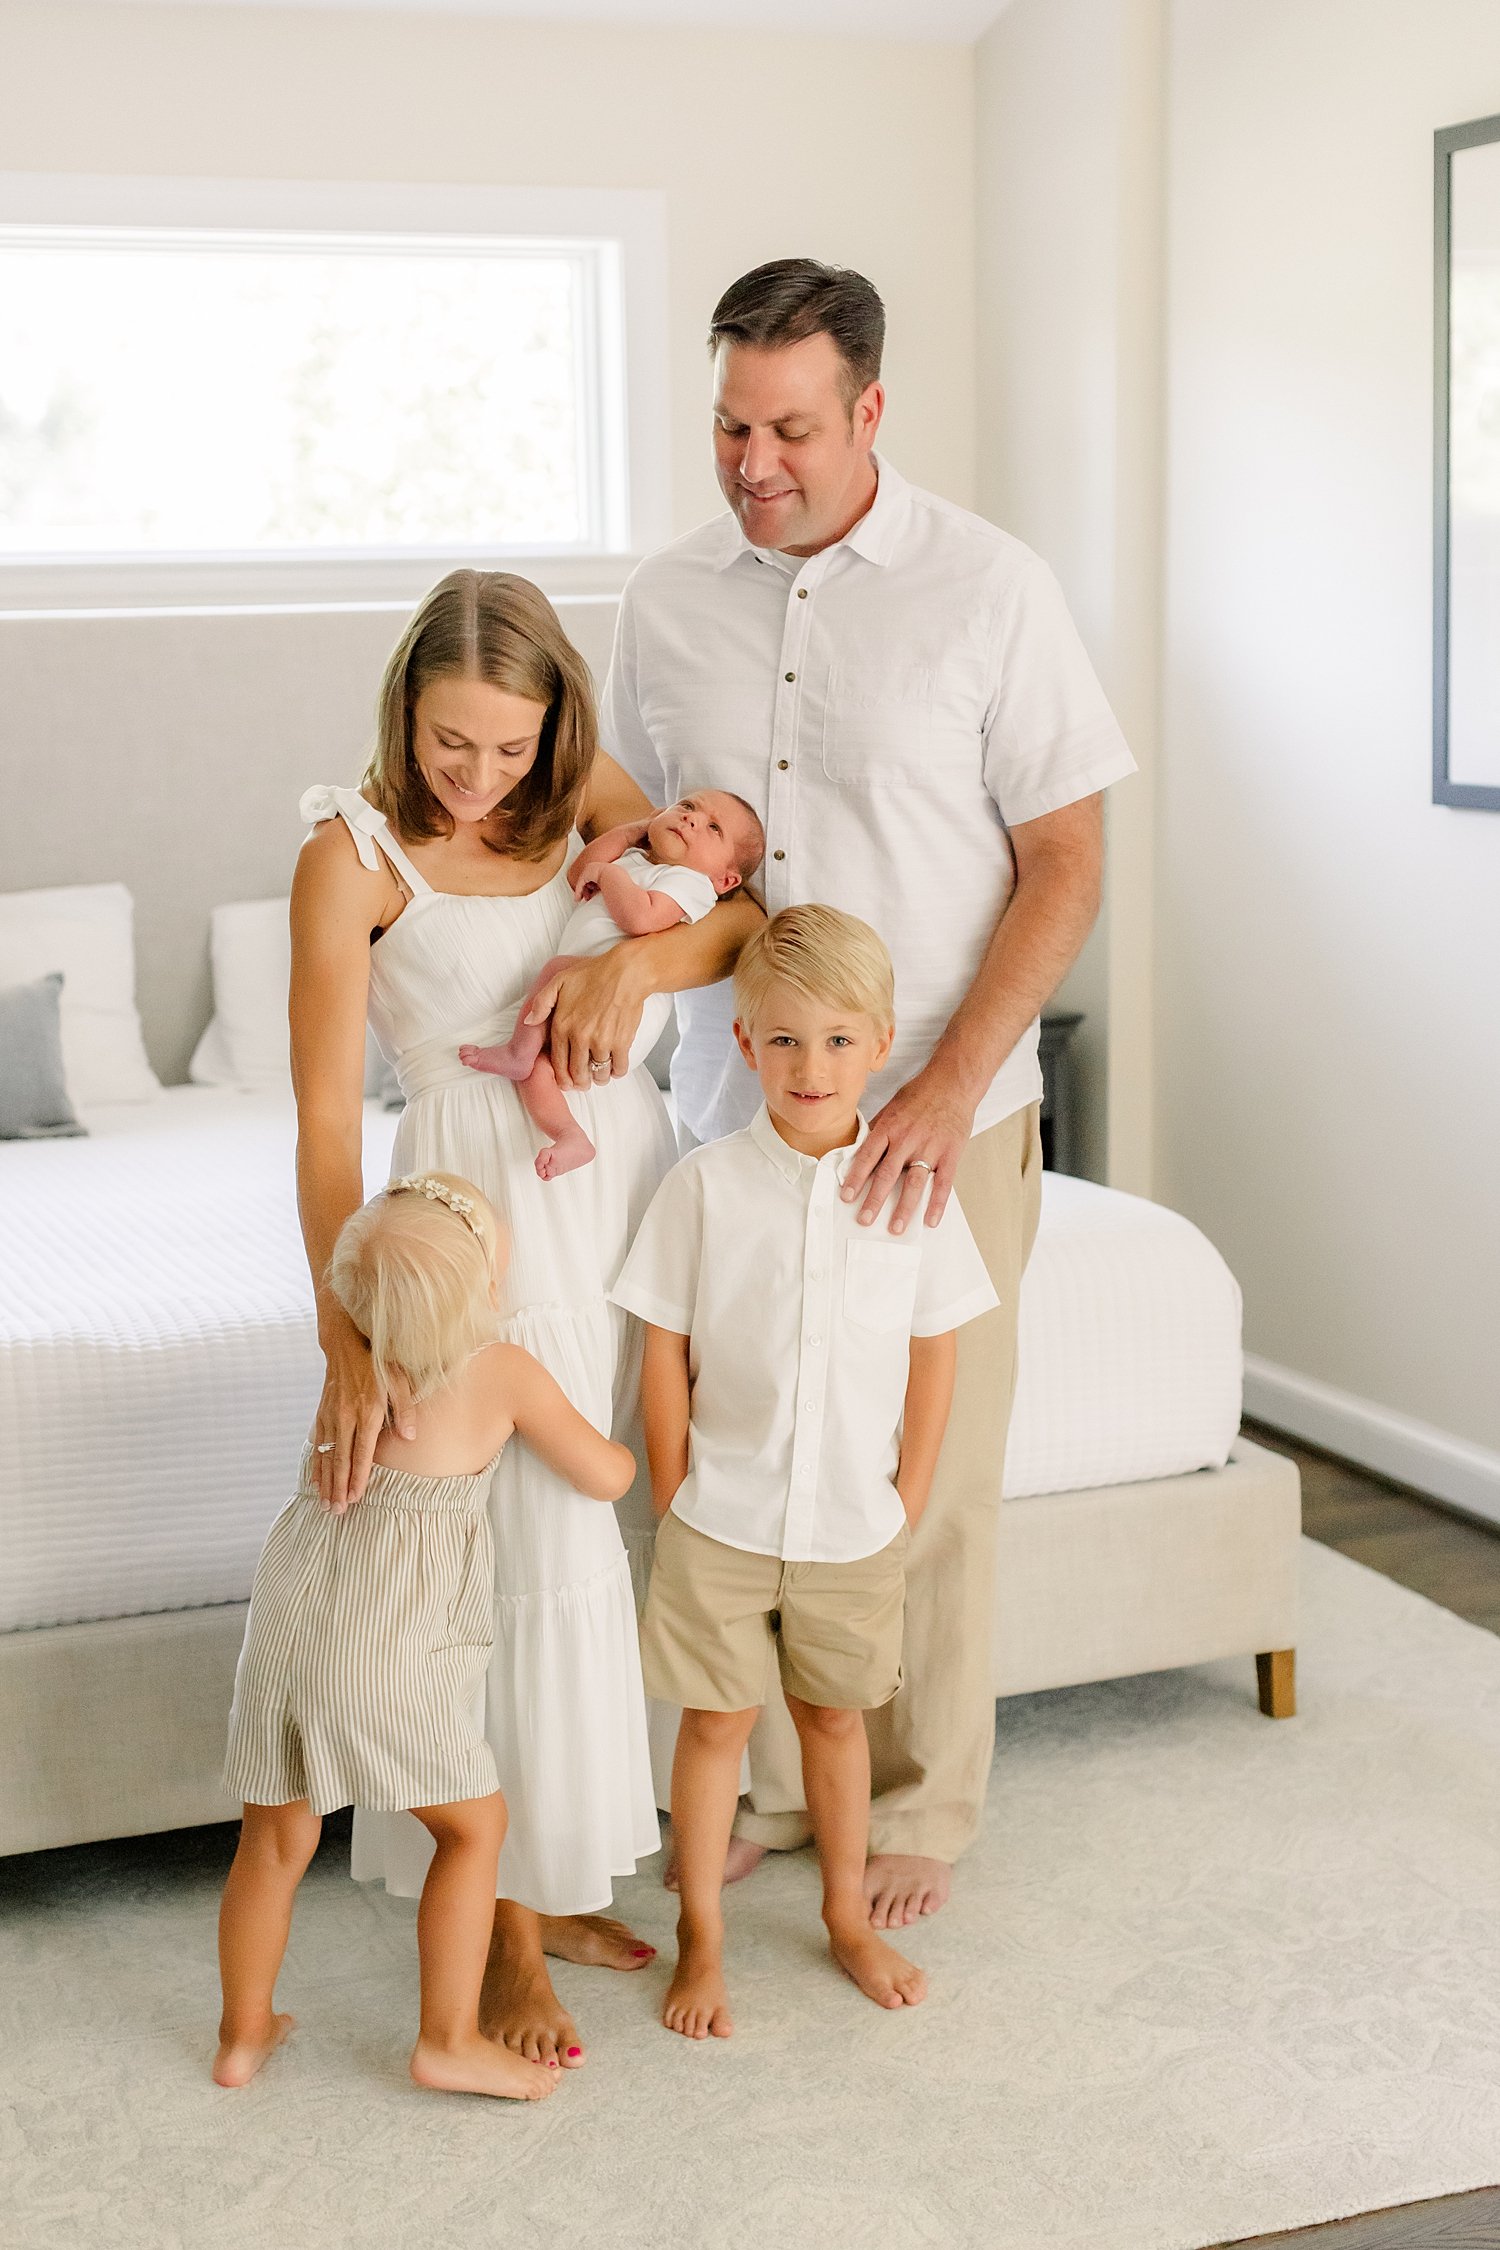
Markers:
(1328, 1021)
(1069, 246)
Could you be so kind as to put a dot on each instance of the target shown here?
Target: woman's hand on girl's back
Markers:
(351, 1415)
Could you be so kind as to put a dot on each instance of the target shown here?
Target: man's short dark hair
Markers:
(793, 298)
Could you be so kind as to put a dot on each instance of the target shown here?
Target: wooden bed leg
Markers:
(1276, 1677)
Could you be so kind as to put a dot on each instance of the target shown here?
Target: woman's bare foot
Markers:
(742, 1859)
(482, 2068)
(594, 1941)
(518, 2009)
(565, 1155)
(900, 1886)
(238, 2060)
(697, 2003)
(882, 1974)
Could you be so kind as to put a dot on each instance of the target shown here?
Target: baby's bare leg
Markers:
(705, 1792)
(276, 1843)
(515, 1056)
(454, 1922)
(836, 1776)
(546, 1105)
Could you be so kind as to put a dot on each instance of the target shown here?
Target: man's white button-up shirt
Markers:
(891, 707)
(800, 1324)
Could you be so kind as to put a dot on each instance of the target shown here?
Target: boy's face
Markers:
(812, 1061)
(702, 831)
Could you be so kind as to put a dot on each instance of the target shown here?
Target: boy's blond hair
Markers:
(822, 953)
(414, 1274)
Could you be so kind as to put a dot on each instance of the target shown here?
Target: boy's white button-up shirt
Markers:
(891, 707)
(799, 1323)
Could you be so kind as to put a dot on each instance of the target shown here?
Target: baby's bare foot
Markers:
(882, 1974)
(740, 1860)
(480, 2067)
(499, 1062)
(518, 2009)
(566, 1155)
(594, 1941)
(238, 2060)
(697, 2003)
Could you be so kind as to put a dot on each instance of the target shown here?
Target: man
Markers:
(897, 688)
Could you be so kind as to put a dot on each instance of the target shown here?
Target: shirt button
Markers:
(782, 764)
(812, 1406)
(815, 1341)
(801, 593)
(790, 677)
(778, 855)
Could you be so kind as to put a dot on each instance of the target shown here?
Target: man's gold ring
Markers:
(918, 1164)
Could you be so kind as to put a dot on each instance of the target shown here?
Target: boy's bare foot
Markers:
(518, 2009)
(882, 1974)
(900, 1886)
(594, 1941)
(697, 2003)
(499, 1062)
(742, 1859)
(238, 2060)
(566, 1155)
(482, 2068)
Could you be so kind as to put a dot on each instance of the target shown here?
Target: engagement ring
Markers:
(599, 1070)
(327, 1447)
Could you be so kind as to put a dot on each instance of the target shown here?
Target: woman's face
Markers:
(473, 743)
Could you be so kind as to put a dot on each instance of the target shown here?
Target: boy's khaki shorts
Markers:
(719, 1621)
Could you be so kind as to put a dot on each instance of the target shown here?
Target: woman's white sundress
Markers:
(565, 1714)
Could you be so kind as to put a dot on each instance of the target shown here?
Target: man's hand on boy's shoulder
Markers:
(918, 1137)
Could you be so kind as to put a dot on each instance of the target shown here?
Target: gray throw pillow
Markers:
(34, 1104)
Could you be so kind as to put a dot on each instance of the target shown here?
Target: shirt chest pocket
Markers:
(878, 726)
(880, 1286)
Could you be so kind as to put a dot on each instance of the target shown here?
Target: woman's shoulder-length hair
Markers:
(488, 625)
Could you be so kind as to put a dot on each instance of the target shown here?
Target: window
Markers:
(286, 395)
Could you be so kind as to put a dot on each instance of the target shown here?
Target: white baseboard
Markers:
(1465, 1476)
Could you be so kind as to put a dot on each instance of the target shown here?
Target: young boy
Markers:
(798, 1374)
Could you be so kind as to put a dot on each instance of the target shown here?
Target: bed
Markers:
(158, 1369)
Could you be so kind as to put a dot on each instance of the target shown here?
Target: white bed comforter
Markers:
(158, 1366)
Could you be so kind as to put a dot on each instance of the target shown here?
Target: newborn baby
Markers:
(647, 876)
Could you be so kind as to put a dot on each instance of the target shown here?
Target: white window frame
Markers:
(627, 311)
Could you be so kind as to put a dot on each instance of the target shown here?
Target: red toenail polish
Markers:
(643, 1952)
(575, 2050)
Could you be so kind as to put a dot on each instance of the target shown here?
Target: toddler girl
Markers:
(361, 1678)
(648, 875)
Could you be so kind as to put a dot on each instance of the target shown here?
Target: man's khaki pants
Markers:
(930, 1749)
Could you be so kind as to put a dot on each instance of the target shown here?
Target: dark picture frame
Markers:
(1456, 618)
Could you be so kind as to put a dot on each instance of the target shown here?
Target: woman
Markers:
(429, 902)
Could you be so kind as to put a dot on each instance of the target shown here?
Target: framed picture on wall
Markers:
(1466, 487)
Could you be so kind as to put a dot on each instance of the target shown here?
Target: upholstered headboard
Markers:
(168, 753)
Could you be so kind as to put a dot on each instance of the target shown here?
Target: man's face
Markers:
(793, 463)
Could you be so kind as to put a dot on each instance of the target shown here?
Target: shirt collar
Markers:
(874, 536)
(789, 1161)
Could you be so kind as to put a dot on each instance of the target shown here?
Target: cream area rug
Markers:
(1204, 1976)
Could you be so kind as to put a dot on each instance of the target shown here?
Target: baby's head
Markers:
(815, 999)
(713, 831)
(416, 1270)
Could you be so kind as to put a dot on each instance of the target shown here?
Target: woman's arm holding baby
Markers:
(929, 1395)
(596, 1006)
(666, 1394)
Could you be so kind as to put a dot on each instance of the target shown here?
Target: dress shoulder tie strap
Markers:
(367, 825)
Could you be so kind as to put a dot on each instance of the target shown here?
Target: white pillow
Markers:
(247, 1043)
(87, 930)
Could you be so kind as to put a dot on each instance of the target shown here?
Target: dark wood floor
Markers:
(1456, 1563)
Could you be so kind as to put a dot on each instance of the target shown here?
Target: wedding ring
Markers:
(326, 1446)
(917, 1164)
(600, 1069)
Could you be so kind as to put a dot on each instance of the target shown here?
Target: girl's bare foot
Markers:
(741, 1859)
(518, 2009)
(697, 2003)
(882, 1974)
(238, 2060)
(900, 1886)
(594, 1941)
(480, 2067)
(565, 1155)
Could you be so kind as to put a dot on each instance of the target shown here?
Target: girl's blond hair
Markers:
(823, 953)
(488, 625)
(415, 1275)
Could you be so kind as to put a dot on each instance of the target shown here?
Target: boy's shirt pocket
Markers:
(880, 1285)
